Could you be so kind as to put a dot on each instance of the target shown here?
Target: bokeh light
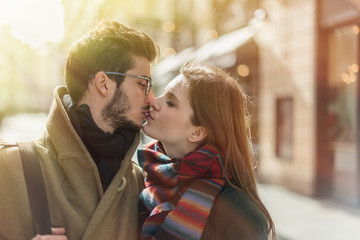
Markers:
(243, 70)
(169, 27)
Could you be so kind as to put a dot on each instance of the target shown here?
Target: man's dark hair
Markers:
(109, 46)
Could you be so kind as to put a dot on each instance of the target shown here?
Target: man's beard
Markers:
(114, 112)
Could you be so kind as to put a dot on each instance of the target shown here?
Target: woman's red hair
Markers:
(220, 105)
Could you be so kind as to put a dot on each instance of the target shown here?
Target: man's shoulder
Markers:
(10, 159)
(4, 143)
(6, 146)
(8, 150)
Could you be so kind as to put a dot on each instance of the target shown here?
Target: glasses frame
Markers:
(147, 79)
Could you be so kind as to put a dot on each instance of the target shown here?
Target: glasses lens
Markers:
(148, 86)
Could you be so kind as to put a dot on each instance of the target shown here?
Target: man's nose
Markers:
(150, 97)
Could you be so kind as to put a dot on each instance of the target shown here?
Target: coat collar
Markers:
(60, 130)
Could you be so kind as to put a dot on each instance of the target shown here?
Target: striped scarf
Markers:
(180, 192)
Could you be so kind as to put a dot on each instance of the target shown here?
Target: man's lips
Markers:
(148, 115)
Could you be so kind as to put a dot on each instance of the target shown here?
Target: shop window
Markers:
(342, 78)
(342, 74)
(284, 128)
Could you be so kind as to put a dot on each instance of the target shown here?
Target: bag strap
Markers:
(36, 188)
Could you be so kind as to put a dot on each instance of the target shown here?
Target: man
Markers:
(92, 131)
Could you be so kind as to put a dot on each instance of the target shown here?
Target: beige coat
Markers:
(76, 199)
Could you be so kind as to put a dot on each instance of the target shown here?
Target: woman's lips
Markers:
(148, 116)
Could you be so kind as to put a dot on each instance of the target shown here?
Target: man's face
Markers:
(129, 104)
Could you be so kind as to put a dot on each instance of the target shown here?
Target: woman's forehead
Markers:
(177, 81)
(178, 88)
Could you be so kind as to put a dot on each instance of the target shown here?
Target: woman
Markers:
(199, 176)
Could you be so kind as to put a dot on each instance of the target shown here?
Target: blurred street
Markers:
(296, 217)
(22, 127)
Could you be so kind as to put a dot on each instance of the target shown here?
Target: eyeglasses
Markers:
(147, 79)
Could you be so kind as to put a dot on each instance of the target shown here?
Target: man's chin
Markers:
(128, 124)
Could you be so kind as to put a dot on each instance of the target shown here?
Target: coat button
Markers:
(122, 185)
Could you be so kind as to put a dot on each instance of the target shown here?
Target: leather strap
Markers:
(36, 188)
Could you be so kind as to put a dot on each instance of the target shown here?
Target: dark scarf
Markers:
(179, 193)
(107, 150)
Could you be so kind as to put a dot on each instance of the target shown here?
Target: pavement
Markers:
(298, 217)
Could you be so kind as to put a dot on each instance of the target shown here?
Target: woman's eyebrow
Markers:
(171, 95)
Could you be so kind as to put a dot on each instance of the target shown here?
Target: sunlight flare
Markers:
(35, 22)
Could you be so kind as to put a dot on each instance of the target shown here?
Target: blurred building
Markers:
(308, 97)
(300, 65)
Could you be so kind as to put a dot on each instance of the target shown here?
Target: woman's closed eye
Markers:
(170, 103)
(171, 100)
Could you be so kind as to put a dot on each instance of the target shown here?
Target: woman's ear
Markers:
(198, 135)
(100, 82)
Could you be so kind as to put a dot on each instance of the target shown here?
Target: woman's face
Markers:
(169, 120)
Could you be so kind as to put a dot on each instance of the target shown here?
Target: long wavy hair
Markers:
(220, 105)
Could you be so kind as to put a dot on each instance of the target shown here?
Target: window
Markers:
(342, 79)
(284, 128)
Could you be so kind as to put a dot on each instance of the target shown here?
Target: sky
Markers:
(35, 22)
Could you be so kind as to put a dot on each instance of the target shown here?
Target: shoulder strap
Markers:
(36, 188)
(4, 143)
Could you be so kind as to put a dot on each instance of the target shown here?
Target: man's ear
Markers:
(198, 135)
(101, 83)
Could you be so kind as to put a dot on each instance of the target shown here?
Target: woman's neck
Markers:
(178, 150)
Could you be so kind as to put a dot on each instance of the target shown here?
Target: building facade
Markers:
(309, 98)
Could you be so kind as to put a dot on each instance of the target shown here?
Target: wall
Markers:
(287, 65)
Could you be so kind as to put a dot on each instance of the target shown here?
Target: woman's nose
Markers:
(155, 104)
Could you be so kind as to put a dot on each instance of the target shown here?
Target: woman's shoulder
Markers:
(239, 200)
(234, 213)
